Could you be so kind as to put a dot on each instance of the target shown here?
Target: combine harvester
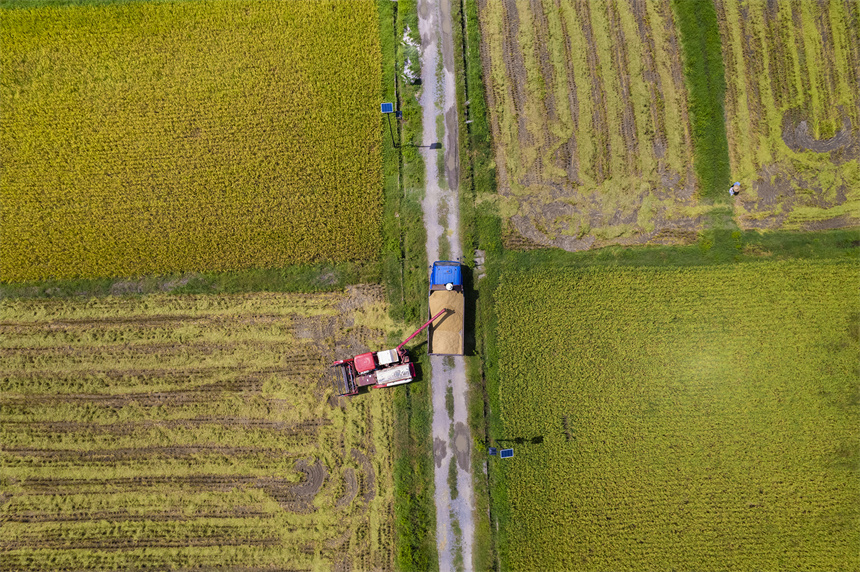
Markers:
(446, 335)
(377, 369)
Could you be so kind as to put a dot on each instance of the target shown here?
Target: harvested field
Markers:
(698, 418)
(192, 431)
(590, 122)
(793, 112)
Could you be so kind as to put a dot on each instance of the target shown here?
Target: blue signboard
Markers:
(387, 108)
(506, 453)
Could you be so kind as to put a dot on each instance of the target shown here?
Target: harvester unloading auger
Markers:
(377, 369)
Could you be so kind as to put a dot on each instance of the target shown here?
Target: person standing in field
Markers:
(735, 189)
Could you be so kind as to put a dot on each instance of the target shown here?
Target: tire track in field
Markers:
(133, 543)
(46, 428)
(547, 103)
(753, 70)
(620, 65)
(127, 516)
(245, 387)
(294, 497)
(517, 79)
(797, 22)
(676, 68)
(570, 148)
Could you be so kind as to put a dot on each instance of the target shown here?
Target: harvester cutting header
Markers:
(377, 369)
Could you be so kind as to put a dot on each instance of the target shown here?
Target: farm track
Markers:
(111, 442)
(454, 516)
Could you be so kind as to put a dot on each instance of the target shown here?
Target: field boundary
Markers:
(405, 271)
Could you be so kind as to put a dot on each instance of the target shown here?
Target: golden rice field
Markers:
(148, 137)
(189, 432)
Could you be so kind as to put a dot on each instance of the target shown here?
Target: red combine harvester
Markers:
(378, 369)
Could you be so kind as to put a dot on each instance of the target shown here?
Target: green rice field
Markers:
(699, 418)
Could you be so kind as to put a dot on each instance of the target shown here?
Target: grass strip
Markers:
(405, 272)
(706, 84)
(479, 229)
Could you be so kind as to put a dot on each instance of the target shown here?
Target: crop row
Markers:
(589, 114)
(148, 138)
(793, 110)
(109, 450)
(691, 418)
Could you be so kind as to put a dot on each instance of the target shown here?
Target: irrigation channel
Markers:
(451, 436)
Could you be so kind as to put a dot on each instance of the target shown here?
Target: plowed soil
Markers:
(192, 422)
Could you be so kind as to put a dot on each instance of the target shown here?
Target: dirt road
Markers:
(451, 436)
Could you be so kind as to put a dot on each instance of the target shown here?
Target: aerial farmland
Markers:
(181, 128)
(211, 211)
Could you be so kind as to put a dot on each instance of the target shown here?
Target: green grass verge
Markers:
(706, 85)
(479, 229)
(405, 272)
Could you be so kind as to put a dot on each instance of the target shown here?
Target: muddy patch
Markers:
(350, 488)
(367, 484)
(440, 451)
(836, 222)
(795, 133)
(780, 189)
(461, 445)
(300, 498)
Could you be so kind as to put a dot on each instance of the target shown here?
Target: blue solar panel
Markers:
(506, 453)
(492, 451)
(387, 108)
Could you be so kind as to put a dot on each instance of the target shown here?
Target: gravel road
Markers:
(452, 438)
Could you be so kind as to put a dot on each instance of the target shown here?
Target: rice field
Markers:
(793, 111)
(696, 418)
(590, 122)
(152, 137)
(196, 431)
